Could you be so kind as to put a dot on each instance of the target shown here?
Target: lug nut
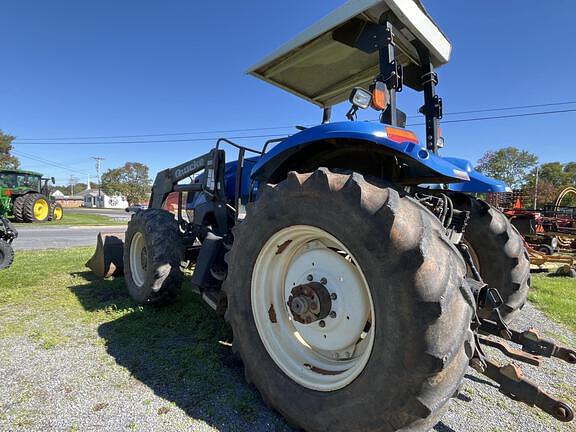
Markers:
(323, 281)
(322, 324)
(333, 296)
(332, 314)
(310, 278)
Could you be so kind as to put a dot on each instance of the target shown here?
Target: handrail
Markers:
(271, 141)
(238, 146)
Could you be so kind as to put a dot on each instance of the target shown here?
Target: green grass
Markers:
(77, 219)
(50, 299)
(556, 297)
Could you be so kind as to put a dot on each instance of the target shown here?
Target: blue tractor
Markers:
(359, 276)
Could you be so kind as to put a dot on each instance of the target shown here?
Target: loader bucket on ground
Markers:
(107, 259)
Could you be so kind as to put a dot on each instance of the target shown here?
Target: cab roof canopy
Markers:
(17, 171)
(322, 70)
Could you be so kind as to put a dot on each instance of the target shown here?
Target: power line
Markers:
(45, 161)
(475, 119)
(282, 127)
(151, 141)
(501, 117)
(507, 108)
(160, 135)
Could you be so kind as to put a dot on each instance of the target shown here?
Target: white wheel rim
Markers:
(137, 259)
(319, 358)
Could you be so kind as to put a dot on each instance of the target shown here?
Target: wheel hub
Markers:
(312, 307)
(309, 302)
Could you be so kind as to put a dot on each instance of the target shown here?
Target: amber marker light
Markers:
(401, 135)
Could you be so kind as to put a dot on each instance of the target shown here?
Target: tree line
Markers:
(130, 180)
(521, 171)
(518, 168)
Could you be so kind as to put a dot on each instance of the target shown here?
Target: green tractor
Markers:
(24, 197)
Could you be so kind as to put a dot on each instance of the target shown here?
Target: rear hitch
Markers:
(509, 351)
(531, 342)
(490, 332)
(514, 385)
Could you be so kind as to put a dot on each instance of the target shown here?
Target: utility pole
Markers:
(536, 186)
(98, 160)
(73, 180)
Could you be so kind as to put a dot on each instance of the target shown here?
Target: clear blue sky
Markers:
(109, 67)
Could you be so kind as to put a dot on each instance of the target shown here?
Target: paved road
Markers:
(59, 237)
(117, 214)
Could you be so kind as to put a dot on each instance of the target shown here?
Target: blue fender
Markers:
(457, 173)
(478, 181)
(425, 164)
(230, 177)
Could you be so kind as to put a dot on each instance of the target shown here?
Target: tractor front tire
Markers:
(6, 255)
(56, 212)
(390, 340)
(498, 252)
(153, 257)
(36, 208)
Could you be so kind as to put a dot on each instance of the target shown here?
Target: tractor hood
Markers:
(323, 71)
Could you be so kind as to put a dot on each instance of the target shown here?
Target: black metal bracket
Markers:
(390, 72)
(437, 108)
(433, 106)
(396, 79)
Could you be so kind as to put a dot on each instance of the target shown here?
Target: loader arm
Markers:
(211, 182)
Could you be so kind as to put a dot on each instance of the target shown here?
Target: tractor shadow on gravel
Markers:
(179, 351)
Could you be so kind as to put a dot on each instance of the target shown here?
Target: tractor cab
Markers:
(25, 197)
(20, 180)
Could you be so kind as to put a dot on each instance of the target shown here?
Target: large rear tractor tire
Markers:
(18, 208)
(56, 212)
(36, 208)
(6, 255)
(348, 305)
(498, 252)
(153, 257)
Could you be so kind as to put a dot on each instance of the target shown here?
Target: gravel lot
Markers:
(100, 382)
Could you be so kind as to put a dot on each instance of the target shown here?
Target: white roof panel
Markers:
(323, 71)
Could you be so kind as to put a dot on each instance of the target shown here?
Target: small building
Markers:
(67, 201)
(98, 199)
